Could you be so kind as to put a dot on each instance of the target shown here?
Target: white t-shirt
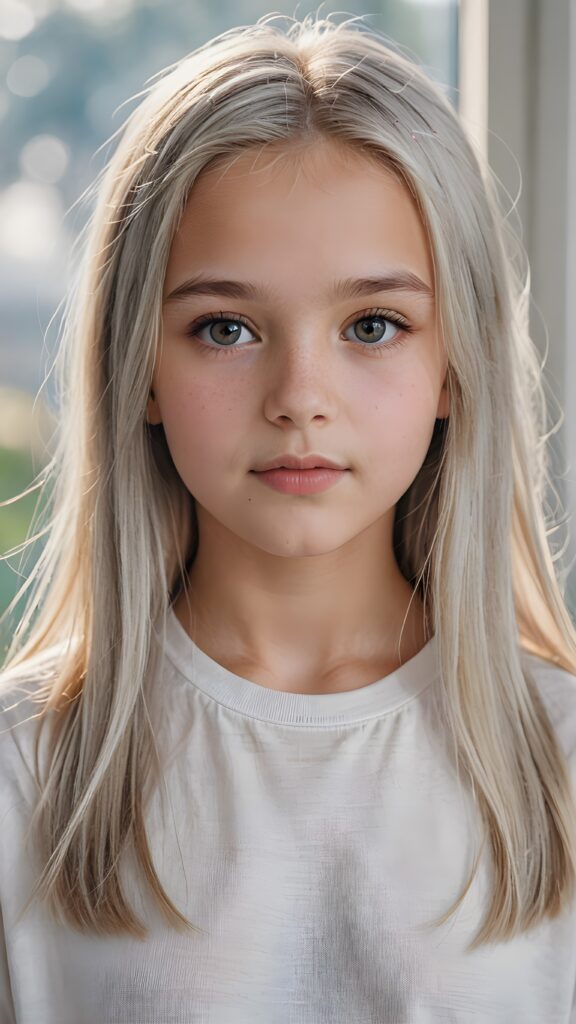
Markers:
(311, 838)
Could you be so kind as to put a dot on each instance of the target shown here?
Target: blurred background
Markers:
(68, 72)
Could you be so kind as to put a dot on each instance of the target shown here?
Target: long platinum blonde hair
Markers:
(470, 534)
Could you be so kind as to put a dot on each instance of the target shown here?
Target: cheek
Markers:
(399, 422)
(201, 426)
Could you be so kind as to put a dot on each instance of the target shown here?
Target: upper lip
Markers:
(299, 462)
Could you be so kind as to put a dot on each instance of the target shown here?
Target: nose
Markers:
(300, 386)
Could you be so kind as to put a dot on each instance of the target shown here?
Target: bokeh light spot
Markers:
(16, 19)
(45, 158)
(27, 76)
(31, 217)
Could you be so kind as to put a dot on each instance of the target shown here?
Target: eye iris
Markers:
(231, 333)
(370, 321)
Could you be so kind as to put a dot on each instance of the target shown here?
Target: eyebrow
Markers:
(396, 280)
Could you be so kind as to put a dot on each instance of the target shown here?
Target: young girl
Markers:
(293, 744)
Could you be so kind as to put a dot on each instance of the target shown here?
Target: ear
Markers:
(153, 415)
(443, 410)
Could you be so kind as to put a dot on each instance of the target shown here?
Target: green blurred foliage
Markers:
(17, 472)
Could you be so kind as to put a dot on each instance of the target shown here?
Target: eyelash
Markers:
(378, 348)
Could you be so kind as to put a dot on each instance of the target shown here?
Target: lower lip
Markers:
(301, 481)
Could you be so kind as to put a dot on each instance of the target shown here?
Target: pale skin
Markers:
(300, 593)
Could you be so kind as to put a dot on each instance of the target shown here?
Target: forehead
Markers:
(312, 156)
(324, 202)
(315, 162)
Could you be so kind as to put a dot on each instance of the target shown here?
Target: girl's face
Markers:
(298, 363)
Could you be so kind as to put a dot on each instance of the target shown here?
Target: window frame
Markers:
(517, 99)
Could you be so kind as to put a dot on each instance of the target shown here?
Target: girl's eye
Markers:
(372, 330)
(222, 332)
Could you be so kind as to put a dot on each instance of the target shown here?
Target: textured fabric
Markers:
(311, 838)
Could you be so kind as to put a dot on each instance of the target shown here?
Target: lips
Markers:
(301, 481)
(288, 461)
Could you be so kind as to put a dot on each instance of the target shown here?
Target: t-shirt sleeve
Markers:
(7, 1011)
(13, 770)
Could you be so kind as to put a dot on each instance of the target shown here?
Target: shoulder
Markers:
(23, 690)
(557, 689)
(18, 728)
